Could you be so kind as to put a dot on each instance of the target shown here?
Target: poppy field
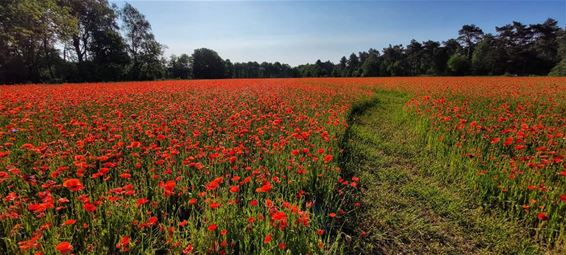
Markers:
(255, 166)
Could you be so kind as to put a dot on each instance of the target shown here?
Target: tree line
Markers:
(515, 49)
(76, 41)
(91, 40)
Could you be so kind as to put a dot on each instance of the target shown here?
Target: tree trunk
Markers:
(77, 46)
(48, 57)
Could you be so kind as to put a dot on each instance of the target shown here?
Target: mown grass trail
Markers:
(407, 207)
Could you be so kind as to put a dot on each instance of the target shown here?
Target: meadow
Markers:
(259, 166)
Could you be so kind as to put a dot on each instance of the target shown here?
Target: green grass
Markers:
(409, 206)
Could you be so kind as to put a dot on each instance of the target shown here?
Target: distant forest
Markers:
(91, 41)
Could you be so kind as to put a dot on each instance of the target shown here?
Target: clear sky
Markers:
(297, 32)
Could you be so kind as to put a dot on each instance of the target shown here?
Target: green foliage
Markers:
(370, 67)
(486, 57)
(470, 35)
(99, 49)
(353, 65)
(207, 64)
(144, 50)
(318, 69)
(559, 69)
(179, 67)
(29, 29)
(110, 58)
(458, 64)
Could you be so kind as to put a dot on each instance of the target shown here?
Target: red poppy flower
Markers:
(268, 203)
(267, 239)
(542, 216)
(73, 184)
(64, 247)
(169, 187)
(278, 216)
(265, 188)
(142, 201)
(212, 185)
(188, 249)
(151, 221)
(123, 244)
(69, 222)
(89, 207)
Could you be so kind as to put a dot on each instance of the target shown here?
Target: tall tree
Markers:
(458, 64)
(394, 63)
(110, 58)
(487, 57)
(545, 45)
(414, 52)
(29, 30)
(353, 65)
(430, 52)
(370, 67)
(93, 16)
(145, 51)
(229, 69)
(179, 67)
(98, 47)
(470, 35)
(207, 64)
(560, 68)
(342, 66)
(516, 39)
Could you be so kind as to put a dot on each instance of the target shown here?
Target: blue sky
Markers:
(297, 32)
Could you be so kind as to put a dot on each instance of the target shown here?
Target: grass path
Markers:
(406, 208)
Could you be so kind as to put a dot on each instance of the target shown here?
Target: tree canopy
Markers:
(207, 64)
